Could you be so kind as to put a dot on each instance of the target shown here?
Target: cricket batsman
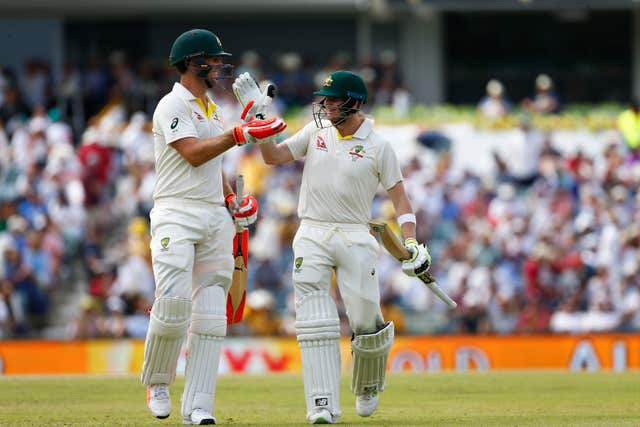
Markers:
(191, 230)
(345, 162)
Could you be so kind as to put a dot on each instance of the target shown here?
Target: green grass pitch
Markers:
(538, 398)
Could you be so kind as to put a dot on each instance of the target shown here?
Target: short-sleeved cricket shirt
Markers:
(180, 114)
(341, 174)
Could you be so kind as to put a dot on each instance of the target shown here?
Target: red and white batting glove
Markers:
(245, 214)
(257, 131)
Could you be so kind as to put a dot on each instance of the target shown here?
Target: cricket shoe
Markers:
(367, 403)
(199, 417)
(321, 416)
(158, 400)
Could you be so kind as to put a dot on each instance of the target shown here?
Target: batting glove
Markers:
(255, 101)
(245, 214)
(420, 260)
(258, 131)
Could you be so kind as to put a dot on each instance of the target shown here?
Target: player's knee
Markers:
(214, 275)
(170, 317)
(364, 317)
(363, 323)
(307, 286)
(209, 312)
(317, 317)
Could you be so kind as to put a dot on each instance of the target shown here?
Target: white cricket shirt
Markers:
(181, 114)
(341, 175)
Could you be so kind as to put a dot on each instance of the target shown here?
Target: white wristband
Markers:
(408, 217)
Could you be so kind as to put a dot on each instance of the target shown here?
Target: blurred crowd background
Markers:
(548, 242)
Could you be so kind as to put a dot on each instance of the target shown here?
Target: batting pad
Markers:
(370, 353)
(208, 328)
(318, 330)
(167, 326)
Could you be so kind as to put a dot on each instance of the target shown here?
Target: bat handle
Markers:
(240, 187)
(430, 281)
(239, 196)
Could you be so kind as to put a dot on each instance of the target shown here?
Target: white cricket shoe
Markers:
(366, 404)
(199, 417)
(321, 416)
(158, 400)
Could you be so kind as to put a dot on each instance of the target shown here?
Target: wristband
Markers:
(408, 217)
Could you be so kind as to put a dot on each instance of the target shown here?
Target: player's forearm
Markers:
(408, 230)
(402, 206)
(273, 154)
(207, 149)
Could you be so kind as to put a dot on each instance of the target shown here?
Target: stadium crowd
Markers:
(554, 249)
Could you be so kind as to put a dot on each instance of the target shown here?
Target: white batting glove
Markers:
(420, 260)
(255, 101)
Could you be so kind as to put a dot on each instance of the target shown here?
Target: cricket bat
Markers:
(394, 246)
(238, 290)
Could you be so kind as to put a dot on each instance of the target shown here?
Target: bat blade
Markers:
(238, 290)
(394, 246)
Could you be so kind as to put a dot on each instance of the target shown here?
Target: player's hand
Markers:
(255, 101)
(420, 260)
(245, 214)
(258, 131)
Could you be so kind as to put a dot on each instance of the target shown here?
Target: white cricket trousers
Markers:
(349, 249)
(191, 247)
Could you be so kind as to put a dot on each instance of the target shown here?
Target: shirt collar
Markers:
(183, 92)
(186, 94)
(365, 129)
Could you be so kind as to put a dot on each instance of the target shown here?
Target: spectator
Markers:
(545, 240)
(545, 100)
(494, 105)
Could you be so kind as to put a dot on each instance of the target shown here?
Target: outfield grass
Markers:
(443, 399)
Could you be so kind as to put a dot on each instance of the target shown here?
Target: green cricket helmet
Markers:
(194, 43)
(340, 84)
(344, 84)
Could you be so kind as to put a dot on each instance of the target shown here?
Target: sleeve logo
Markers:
(174, 123)
(298, 264)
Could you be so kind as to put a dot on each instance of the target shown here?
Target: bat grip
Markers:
(239, 190)
(239, 196)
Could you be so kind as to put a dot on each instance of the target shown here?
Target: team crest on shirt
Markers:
(320, 144)
(298, 264)
(356, 152)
